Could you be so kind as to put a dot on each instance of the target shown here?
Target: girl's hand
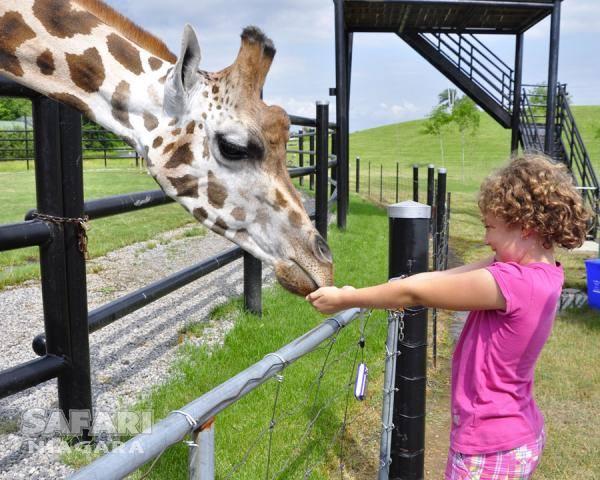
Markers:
(329, 299)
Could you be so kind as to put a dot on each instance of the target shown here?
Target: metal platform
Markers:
(459, 16)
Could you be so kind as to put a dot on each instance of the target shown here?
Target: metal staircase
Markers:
(568, 145)
(470, 65)
(489, 81)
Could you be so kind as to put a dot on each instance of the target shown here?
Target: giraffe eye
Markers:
(231, 151)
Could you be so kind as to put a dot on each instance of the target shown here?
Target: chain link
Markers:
(82, 228)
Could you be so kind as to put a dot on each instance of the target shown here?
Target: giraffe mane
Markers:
(127, 28)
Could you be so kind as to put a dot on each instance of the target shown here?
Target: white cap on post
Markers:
(409, 209)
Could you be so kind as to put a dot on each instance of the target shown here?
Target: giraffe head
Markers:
(220, 151)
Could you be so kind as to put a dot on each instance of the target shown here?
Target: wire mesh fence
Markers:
(296, 425)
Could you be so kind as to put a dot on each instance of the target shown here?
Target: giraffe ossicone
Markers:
(208, 138)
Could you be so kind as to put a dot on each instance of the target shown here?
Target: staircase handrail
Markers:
(495, 69)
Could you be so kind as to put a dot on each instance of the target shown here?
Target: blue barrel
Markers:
(592, 267)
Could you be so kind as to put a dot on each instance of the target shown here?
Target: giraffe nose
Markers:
(321, 249)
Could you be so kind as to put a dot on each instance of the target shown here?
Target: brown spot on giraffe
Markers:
(155, 63)
(239, 214)
(13, 32)
(186, 186)
(219, 222)
(280, 201)
(45, 62)
(217, 193)
(157, 142)
(182, 156)
(74, 102)
(189, 129)
(241, 236)
(205, 93)
(215, 89)
(169, 147)
(176, 132)
(60, 20)
(150, 121)
(162, 79)
(200, 214)
(120, 104)
(295, 218)
(125, 53)
(262, 217)
(87, 69)
(175, 121)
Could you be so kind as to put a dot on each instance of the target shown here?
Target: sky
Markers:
(390, 82)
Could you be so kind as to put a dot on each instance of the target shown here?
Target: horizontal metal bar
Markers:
(29, 374)
(107, 314)
(306, 122)
(306, 152)
(536, 4)
(24, 234)
(296, 172)
(144, 447)
(117, 204)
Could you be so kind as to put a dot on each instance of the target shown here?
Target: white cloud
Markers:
(390, 82)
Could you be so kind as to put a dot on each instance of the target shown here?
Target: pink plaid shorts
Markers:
(516, 464)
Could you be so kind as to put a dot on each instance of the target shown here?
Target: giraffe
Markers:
(208, 139)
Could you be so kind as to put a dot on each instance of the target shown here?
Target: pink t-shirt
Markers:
(494, 361)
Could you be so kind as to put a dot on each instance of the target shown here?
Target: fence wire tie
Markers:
(282, 360)
(193, 423)
(388, 428)
(82, 228)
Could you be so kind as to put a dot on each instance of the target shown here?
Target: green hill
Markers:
(407, 144)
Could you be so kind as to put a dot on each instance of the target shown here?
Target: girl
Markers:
(527, 207)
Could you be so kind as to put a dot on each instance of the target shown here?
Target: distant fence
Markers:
(57, 227)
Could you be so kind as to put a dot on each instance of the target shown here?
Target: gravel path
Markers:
(127, 357)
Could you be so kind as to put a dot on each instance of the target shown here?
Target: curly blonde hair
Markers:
(537, 194)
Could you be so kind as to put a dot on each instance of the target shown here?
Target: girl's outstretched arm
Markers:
(468, 290)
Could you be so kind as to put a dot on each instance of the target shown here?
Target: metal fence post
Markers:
(59, 187)
(415, 183)
(357, 174)
(380, 183)
(252, 284)
(440, 209)
(334, 169)
(408, 254)
(322, 144)
(369, 181)
(202, 453)
(301, 155)
(430, 184)
(397, 181)
(311, 158)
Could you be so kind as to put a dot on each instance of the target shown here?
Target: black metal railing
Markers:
(568, 146)
(64, 347)
(475, 60)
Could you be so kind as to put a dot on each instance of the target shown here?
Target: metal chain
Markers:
(82, 227)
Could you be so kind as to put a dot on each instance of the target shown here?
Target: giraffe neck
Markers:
(57, 48)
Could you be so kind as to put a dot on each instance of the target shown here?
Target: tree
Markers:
(466, 116)
(13, 108)
(436, 123)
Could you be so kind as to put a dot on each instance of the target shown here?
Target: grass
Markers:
(198, 369)
(567, 380)
(17, 195)
(406, 144)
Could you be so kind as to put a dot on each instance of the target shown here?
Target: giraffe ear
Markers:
(184, 75)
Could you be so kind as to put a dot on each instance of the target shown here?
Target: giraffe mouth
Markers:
(294, 278)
